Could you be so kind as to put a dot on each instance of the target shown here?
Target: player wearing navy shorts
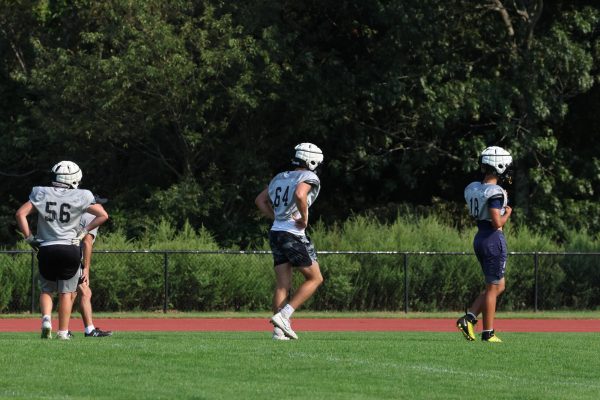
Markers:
(488, 203)
(59, 208)
(286, 200)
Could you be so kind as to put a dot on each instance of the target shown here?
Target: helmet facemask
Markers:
(507, 176)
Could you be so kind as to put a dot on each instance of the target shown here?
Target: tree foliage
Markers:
(184, 109)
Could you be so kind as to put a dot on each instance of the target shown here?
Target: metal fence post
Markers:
(166, 282)
(33, 282)
(406, 283)
(535, 281)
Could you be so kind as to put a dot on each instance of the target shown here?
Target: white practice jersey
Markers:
(478, 194)
(85, 221)
(282, 191)
(59, 211)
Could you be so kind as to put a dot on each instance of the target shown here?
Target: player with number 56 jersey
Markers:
(59, 208)
(59, 212)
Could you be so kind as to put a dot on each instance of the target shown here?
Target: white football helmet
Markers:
(497, 158)
(309, 154)
(67, 173)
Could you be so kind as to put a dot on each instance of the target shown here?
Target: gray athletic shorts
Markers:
(60, 286)
(287, 247)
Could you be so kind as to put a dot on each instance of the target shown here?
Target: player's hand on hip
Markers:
(301, 223)
(33, 242)
(80, 234)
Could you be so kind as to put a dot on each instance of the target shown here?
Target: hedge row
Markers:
(124, 281)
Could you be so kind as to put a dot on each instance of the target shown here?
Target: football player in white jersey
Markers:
(83, 288)
(286, 201)
(488, 204)
(59, 208)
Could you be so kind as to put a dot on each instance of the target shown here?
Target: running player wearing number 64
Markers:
(286, 200)
(488, 203)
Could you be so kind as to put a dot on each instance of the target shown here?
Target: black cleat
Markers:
(467, 327)
(97, 332)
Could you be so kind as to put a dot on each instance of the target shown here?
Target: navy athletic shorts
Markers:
(491, 251)
(58, 262)
(295, 249)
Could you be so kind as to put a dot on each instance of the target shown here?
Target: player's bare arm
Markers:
(300, 196)
(101, 216)
(498, 220)
(87, 244)
(263, 202)
(21, 216)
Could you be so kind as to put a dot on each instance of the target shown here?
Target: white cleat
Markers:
(65, 336)
(284, 324)
(278, 334)
(46, 330)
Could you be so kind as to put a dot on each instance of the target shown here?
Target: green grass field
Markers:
(243, 365)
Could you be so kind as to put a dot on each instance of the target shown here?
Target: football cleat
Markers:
(66, 336)
(278, 334)
(46, 332)
(490, 337)
(466, 327)
(97, 332)
(284, 324)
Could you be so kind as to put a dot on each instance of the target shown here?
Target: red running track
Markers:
(307, 324)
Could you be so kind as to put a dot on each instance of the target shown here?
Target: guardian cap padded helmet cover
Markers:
(67, 173)
(497, 158)
(307, 155)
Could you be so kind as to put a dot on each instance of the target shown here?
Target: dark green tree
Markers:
(184, 109)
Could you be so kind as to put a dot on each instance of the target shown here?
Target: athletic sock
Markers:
(287, 311)
(46, 321)
(486, 334)
(89, 329)
(62, 333)
(471, 317)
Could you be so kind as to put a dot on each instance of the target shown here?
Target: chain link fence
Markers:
(126, 280)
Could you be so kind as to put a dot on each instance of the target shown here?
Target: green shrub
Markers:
(581, 283)
(15, 281)
(217, 281)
